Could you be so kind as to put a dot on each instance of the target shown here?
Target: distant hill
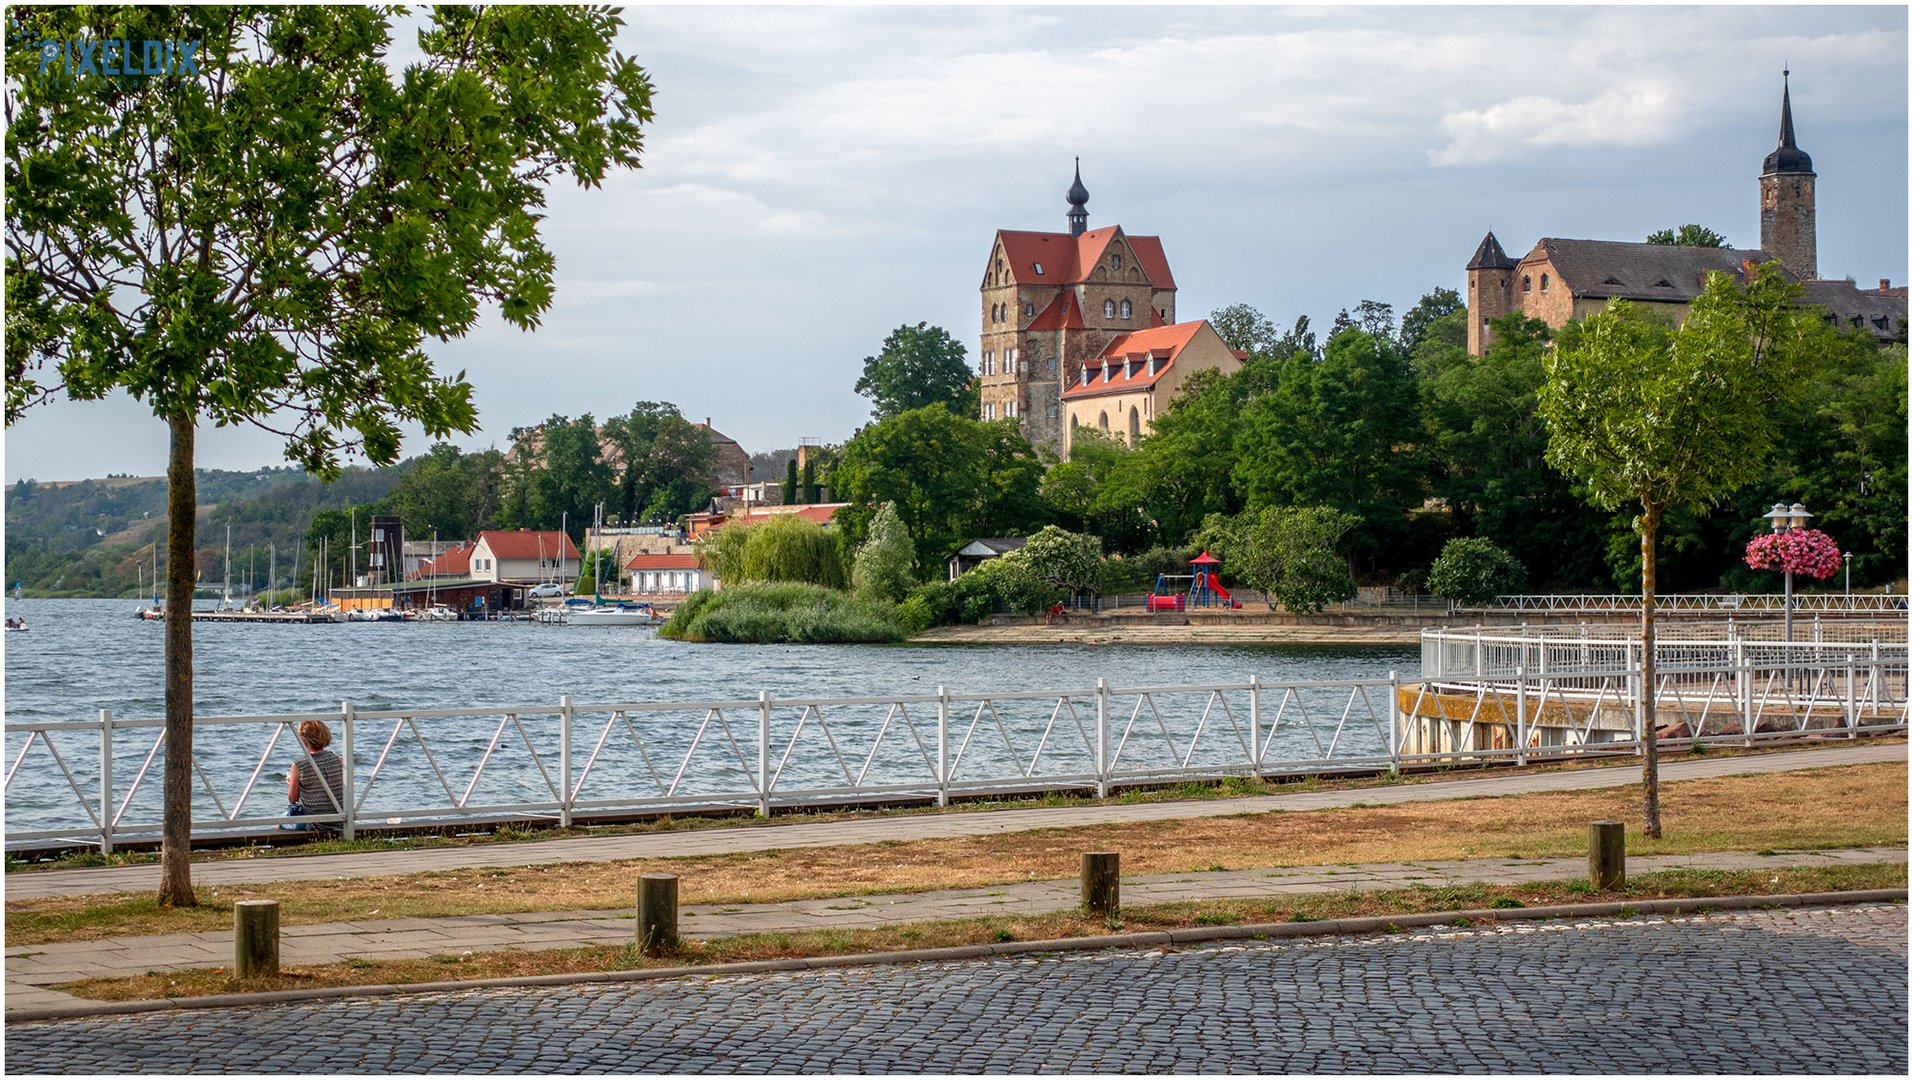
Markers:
(85, 537)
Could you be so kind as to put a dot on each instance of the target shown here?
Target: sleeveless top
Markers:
(314, 796)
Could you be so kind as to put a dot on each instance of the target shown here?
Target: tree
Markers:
(789, 490)
(1065, 560)
(662, 465)
(1661, 418)
(886, 563)
(1689, 236)
(1473, 571)
(788, 548)
(270, 239)
(919, 365)
(1243, 327)
(1287, 553)
(1430, 309)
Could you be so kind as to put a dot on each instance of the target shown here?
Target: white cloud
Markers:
(1641, 117)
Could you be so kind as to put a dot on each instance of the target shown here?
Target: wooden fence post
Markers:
(1607, 854)
(1102, 883)
(657, 914)
(255, 939)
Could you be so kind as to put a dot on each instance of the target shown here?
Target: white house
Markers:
(524, 557)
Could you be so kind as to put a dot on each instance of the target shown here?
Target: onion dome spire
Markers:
(1787, 157)
(1078, 198)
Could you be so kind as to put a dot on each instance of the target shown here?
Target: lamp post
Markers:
(1847, 558)
(1785, 519)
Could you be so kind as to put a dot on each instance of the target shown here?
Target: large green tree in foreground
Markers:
(1643, 414)
(271, 239)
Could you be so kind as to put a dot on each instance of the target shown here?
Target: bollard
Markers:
(657, 914)
(1607, 854)
(1102, 883)
(255, 939)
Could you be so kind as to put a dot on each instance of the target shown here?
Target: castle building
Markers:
(1559, 280)
(1053, 303)
(1123, 388)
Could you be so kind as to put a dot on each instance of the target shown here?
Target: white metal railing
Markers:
(96, 781)
(1521, 693)
(1724, 603)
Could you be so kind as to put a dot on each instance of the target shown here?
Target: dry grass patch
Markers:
(1854, 806)
(931, 935)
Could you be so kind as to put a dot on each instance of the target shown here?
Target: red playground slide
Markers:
(1227, 600)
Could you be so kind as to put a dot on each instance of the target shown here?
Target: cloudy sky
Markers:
(818, 176)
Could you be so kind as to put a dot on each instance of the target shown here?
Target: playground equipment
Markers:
(1205, 588)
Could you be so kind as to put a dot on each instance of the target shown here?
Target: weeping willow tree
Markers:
(786, 548)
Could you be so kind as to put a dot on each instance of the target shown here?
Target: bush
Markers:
(1474, 571)
(782, 613)
(886, 564)
(785, 548)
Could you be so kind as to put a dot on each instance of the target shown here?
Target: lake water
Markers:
(81, 656)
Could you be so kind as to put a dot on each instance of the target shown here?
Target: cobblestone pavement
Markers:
(1790, 991)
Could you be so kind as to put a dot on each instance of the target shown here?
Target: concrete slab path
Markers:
(923, 826)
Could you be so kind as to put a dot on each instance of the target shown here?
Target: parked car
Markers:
(548, 589)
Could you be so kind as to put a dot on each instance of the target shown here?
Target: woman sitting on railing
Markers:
(309, 791)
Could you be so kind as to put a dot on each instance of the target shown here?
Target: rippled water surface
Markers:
(81, 656)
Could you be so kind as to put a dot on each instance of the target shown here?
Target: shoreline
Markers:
(1088, 632)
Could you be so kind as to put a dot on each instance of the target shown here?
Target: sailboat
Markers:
(151, 612)
(602, 612)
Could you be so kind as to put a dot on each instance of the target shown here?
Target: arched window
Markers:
(1029, 310)
(1109, 309)
(1135, 425)
(1125, 309)
(1527, 283)
(1102, 421)
(1544, 283)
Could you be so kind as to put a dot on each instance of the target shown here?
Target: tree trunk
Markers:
(1650, 764)
(182, 510)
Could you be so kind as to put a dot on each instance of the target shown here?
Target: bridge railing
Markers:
(1721, 603)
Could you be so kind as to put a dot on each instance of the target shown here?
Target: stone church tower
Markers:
(1490, 291)
(1786, 199)
(1051, 301)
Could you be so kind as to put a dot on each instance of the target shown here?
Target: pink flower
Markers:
(1808, 552)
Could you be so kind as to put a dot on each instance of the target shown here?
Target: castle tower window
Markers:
(1527, 283)
(1115, 260)
(1051, 409)
(1125, 309)
(1544, 283)
(1109, 309)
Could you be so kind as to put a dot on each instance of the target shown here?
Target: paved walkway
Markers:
(1799, 990)
(31, 969)
(876, 830)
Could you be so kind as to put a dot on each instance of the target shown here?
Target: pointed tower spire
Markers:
(1078, 198)
(1787, 157)
(1787, 228)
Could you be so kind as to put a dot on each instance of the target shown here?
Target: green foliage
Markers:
(780, 613)
(1474, 571)
(1287, 553)
(662, 466)
(886, 564)
(588, 566)
(952, 479)
(790, 483)
(300, 217)
(1434, 308)
(785, 548)
(918, 366)
(1638, 412)
(557, 476)
(1339, 433)
(1066, 560)
(1243, 327)
(1689, 236)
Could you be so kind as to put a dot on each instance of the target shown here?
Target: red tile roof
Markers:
(1067, 260)
(662, 562)
(454, 563)
(529, 544)
(1063, 313)
(1127, 353)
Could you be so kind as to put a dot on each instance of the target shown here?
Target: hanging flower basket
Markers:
(1809, 552)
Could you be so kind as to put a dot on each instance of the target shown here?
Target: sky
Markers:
(816, 177)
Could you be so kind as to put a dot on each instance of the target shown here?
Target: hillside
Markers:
(86, 537)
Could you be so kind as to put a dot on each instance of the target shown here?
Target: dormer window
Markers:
(1109, 309)
(1038, 267)
(1125, 309)
(1152, 367)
